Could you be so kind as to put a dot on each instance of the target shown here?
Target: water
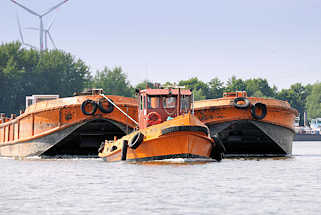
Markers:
(233, 186)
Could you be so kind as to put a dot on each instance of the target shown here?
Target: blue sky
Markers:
(279, 40)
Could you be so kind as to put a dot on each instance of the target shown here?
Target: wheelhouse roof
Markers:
(163, 92)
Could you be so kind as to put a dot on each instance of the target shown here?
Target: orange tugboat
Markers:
(249, 126)
(66, 126)
(167, 129)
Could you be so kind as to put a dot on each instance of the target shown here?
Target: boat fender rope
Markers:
(124, 150)
(218, 149)
(101, 106)
(185, 128)
(154, 118)
(92, 103)
(260, 106)
(136, 140)
(241, 106)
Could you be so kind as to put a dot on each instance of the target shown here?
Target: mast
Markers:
(179, 102)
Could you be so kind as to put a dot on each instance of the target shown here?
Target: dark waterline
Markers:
(233, 186)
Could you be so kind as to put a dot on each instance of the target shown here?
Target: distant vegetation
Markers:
(26, 72)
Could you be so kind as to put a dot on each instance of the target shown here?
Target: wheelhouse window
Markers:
(169, 102)
(185, 103)
(141, 102)
(153, 102)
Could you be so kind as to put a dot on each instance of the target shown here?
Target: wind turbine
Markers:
(41, 29)
(47, 34)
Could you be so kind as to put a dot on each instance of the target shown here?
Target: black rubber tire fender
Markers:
(124, 150)
(218, 149)
(136, 140)
(241, 106)
(85, 103)
(260, 106)
(101, 107)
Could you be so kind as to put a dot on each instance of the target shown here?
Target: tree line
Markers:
(26, 72)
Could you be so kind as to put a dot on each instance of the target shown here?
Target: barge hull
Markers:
(81, 139)
(253, 138)
(37, 146)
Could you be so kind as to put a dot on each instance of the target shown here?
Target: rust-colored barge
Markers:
(249, 126)
(66, 126)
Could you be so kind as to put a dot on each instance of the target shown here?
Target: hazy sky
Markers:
(172, 40)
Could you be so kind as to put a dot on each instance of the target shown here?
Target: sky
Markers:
(172, 40)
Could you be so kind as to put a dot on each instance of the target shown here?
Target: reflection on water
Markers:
(234, 186)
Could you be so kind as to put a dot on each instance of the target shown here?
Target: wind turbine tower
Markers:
(47, 34)
(41, 29)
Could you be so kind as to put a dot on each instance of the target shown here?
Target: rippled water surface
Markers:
(233, 186)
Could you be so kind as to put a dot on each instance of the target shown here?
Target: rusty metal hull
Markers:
(82, 139)
(37, 146)
(61, 127)
(245, 135)
(253, 138)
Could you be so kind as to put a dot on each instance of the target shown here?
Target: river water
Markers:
(233, 186)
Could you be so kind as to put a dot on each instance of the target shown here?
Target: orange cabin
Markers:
(159, 105)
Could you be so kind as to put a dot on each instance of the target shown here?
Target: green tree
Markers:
(216, 88)
(25, 72)
(16, 66)
(198, 95)
(199, 88)
(314, 102)
(296, 96)
(145, 84)
(258, 87)
(59, 72)
(234, 84)
(114, 82)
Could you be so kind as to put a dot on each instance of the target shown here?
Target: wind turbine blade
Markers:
(24, 7)
(21, 35)
(53, 43)
(31, 46)
(49, 27)
(32, 28)
(51, 9)
(20, 31)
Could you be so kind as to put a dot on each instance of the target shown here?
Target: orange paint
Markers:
(156, 145)
(46, 117)
(221, 110)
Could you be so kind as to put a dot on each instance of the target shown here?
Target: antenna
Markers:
(40, 16)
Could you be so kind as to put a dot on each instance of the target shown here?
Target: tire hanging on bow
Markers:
(86, 104)
(244, 100)
(255, 108)
(101, 107)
